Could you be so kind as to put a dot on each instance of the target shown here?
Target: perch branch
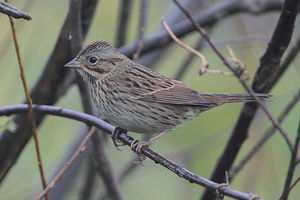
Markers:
(157, 158)
(54, 81)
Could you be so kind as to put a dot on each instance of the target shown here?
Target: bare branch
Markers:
(293, 185)
(80, 149)
(12, 11)
(238, 75)
(206, 18)
(42, 93)
(292, 166)
(141, 28)
(157, 158)
(140, 45)
(29, 101)
(288, 16)
(187, 61)
(264, 138)
(204, 63)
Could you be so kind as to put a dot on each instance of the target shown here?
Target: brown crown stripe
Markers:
(94, 46)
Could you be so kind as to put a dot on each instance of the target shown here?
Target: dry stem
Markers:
(80, 149)
(30, 112)
(204, 63)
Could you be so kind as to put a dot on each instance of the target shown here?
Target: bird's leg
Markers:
(114, 137)
(137, 145)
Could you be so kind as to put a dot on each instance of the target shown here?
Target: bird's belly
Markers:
(146, 117)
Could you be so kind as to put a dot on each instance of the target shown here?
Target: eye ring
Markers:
(93, 60)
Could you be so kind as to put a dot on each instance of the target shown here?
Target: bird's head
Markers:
(96, 60)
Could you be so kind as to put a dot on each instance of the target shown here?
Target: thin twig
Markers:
(29, 101)
(264, 138)
(187, 61)
(242, 67)
(80, 149)
(207, 18)
(12, 11)
(292, 166)
(140, 45)
(293, 185)
(204, 63)
(141, 28)
(157, 158)
(238, 75)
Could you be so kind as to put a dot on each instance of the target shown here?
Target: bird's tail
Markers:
(233, 98)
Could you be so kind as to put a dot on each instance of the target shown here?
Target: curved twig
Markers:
(157, 158)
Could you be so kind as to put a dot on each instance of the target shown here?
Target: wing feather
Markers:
(150, 86)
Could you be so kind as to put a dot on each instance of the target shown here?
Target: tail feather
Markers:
(233, 98)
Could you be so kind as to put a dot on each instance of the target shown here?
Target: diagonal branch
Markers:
(263, 139)
(292, 166)
(263, 82)
(157, 158)
(80, 149)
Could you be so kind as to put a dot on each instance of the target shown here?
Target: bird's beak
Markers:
(73, 64)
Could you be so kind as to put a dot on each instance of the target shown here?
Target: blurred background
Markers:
(196, 145)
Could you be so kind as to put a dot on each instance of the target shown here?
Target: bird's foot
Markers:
(114, 136)
(137, 146)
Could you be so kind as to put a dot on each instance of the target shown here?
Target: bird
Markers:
(137, 99)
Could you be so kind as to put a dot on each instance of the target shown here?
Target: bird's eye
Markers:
(93, 60)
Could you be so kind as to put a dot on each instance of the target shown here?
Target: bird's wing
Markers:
(153, 87)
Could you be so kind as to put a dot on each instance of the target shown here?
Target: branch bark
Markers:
(292, 166)
(265, 78)
(12, 11)
(157, 158)
(206, 18)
